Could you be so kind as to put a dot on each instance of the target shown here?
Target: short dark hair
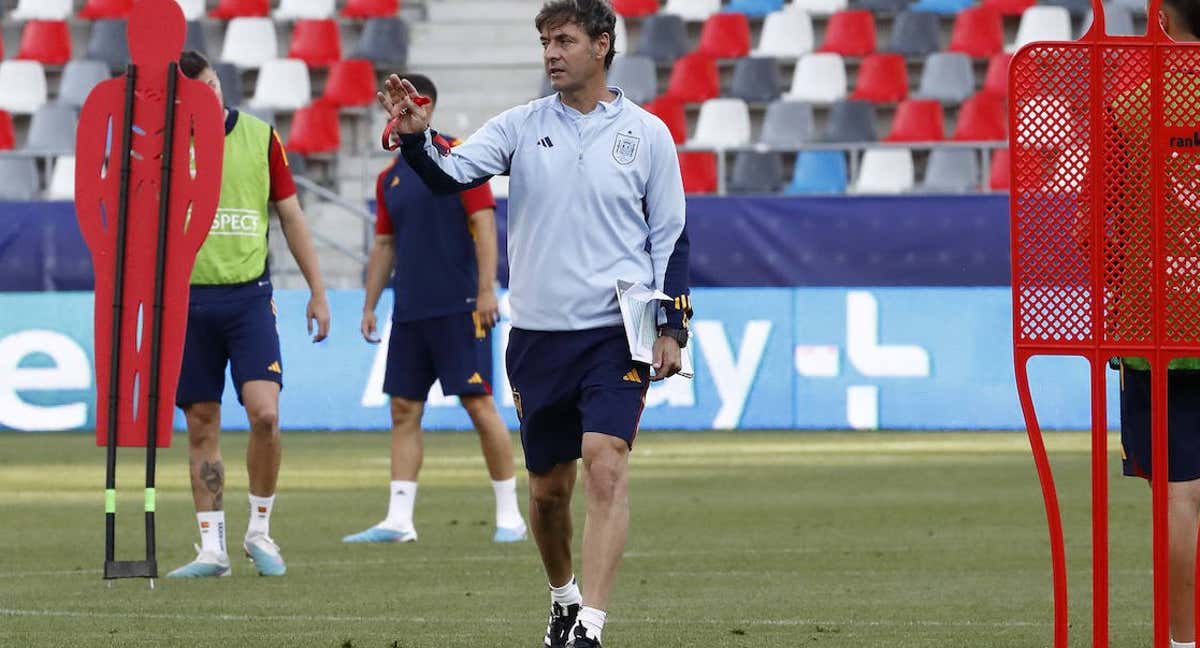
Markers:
(192, 63)
(1189, 11)
(424, 85)
(595, 17)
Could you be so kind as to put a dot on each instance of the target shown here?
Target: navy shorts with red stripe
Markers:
(566, 383)
(454, 349)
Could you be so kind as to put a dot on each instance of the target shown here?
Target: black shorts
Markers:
(241, 333)
(1183, 424)
(566, 383)
(454, 349)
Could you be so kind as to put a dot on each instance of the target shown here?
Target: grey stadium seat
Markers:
(1077, 8)
(1118, 21)
(231, 83)
(951, 171)
(915, 33)
(107, 43)
(947, 77)
(787, 124)
(635, 76)
(663, 38)
(195, 37)
(756, 80)
(18, 178)
(383, 41)
(755, 172)
(881, 6)
(850, 121)
(52, 130)
(78, 79)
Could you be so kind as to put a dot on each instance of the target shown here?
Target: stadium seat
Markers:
(850, 122)
(18, 178)
(882, 78)
(725, 35)
(996, 81)
(78, 79)
(787, 125)
(694, 79)
(756, 80)
(45, 41)
(756, 172)
(1009, 7)
(1042, 24)
(977, 32)
(62, 179)
(371, 8)
(918, 120)
(635, 8)
(42, 10)
(885, 171)
(663, 38)
(52, 130)
(316, 42)
(232, 87)
(785, 34)
(670, 111)
(947, 77)
(231, 9)
(1077, 8)
(1001, 174)
(384, 41)
(297, 163)
(819, 7)
(196, 40)
(943, 7)
(754, 8)
(283, 84)
(620, 35)
(819, 172)
(22, 86)
(881, 7)
(315, 129)
(192, 9)
(100, 9)
(1118, 21)
(819, 78)
(951, 171)
(305, 9)
(699, 170)
(265, 114)
(351, 83)
(982, 118)
(108, 43)
(8, 134)
(850, 33)
(635, 76)
(723, 123)
(692, 10)
(250, 42)
(915, 33)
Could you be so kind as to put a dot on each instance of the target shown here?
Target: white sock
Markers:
(567, 594)
(212, 532)
(260, 515)
(508, 514)
(592, 620)
(400, 506)
(1180, 644)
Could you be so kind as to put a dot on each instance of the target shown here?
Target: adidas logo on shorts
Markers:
(633, 376)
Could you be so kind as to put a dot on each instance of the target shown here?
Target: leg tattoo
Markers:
(213, 476)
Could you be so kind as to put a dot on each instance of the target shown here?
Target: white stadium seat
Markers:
(819, 78)
(305, 9)
(786, 34)
(1042, 24)
(885, 171)
(819, 7)
(22, 86)
(192, 9)
(283, 84)
(42, 10)
(723, 123)
(250, 42)
(694, 10)
(62, 180)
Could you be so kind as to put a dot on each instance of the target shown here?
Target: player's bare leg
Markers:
(606, 485)
(207, 472)
(408, 445)
(550, 521)
(263, 452)
(1183, 516)
(496, 444)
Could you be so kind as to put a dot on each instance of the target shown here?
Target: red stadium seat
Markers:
(982, 118)
(670, 111)
(882, 78)
(46, 41)
(635, 8)
(371, 8)
(996, 81)
(230, 9)
(725, 35)
(699, 169)
(316, 42)
(694, 79)
(101, 9)
(1010, 7)
(315, 129)
(1001, 175)
(978, 32)
(351, 83)
(918, 120)
(850, 33)
(8, 139)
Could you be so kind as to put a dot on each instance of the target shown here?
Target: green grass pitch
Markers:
(738, 539)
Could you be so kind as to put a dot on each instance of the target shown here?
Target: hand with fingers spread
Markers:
(404, 106)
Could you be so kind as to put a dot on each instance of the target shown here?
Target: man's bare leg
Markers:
(497, 452)
(1183, 516)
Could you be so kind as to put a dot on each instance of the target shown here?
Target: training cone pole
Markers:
(1105, 205)
(148, 153)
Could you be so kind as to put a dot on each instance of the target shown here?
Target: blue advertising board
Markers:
(765, 358)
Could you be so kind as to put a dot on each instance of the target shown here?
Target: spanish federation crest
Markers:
(625, 149)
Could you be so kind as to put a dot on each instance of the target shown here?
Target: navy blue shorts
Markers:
(566, 383)
(1183, 424)
(454, 349)
(240, 332)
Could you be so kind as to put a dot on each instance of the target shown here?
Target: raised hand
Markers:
(404, 106)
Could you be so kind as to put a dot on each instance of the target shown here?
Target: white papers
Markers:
(639, 312)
